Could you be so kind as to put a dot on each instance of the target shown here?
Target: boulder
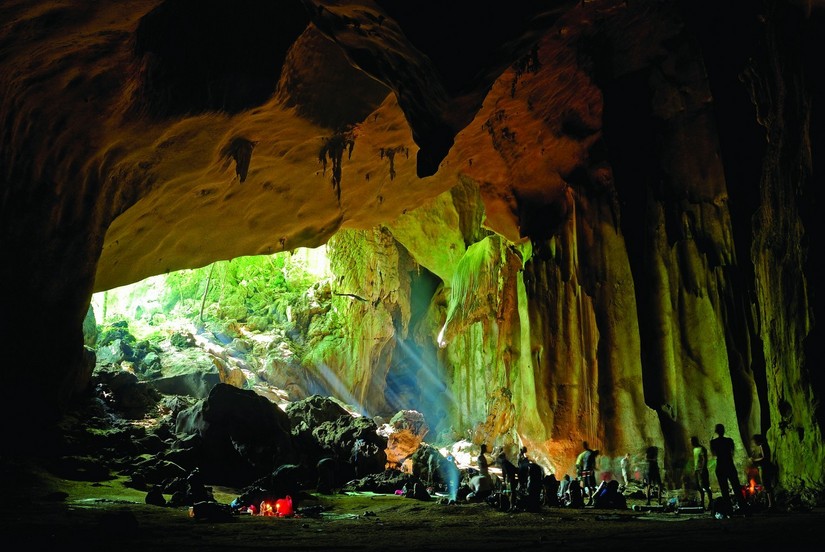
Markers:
(122, 390)
(353, 440)
(405, 432)
(244, 436)
(432, 467)
(190, 371)
(387, 482)
(312, 411)
(286, 480)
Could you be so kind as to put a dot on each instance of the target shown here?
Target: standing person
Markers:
(700, 470)
(523, 469)
(653, 477)
(580, 459)
(625, 465)
(483, 465)
(357, 458)
(534, 487)
(761, 457)
(509, 471)
(722, 449)
(586, 470)
(510, 474)
(590, 475)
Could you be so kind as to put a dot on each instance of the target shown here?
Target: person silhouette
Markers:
(586, 470)
(562, 493)
(523, 469)
(722, 449)
(481, 484)
(551, 487)
(574, 497)
(700, 470)
(610, 497)
(761, 458)
(483, 464)
(653, 477)
(625, 465)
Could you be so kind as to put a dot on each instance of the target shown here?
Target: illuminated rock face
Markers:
(591, 239)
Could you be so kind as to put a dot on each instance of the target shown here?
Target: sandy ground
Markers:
(44, 512)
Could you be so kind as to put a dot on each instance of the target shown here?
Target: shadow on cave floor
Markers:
(41, 510)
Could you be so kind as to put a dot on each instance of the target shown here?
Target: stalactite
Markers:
(389, 153)
(240, 150)
(333, 149)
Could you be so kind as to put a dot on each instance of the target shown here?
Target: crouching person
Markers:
(610, 498)
(481, 486)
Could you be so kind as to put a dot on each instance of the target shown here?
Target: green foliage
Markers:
(182, 341)
(144, 347)
(257, 292)
(257, 284)
(286, 295)
(113, 332)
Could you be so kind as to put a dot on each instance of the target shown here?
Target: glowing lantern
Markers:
(284, 506)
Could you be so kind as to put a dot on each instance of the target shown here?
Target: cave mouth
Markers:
(265, 323)
(249, 316)
(244, 364)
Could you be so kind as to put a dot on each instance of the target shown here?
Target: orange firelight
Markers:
(266, 509)
(279, 508)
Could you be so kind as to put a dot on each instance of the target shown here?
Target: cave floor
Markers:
(40, 510)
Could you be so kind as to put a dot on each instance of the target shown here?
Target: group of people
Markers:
(571, 494)
(525, 486)
(723, 449)
(520, 484)
(526, 480)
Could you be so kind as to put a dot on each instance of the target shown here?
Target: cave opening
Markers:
(264, 322)
(245, 321)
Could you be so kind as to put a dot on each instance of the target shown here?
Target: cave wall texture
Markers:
(552, 222)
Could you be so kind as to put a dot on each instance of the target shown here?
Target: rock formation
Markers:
(583, 220)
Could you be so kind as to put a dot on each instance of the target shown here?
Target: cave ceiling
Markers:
(178, 133)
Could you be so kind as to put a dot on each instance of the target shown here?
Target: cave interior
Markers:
(547, 222)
